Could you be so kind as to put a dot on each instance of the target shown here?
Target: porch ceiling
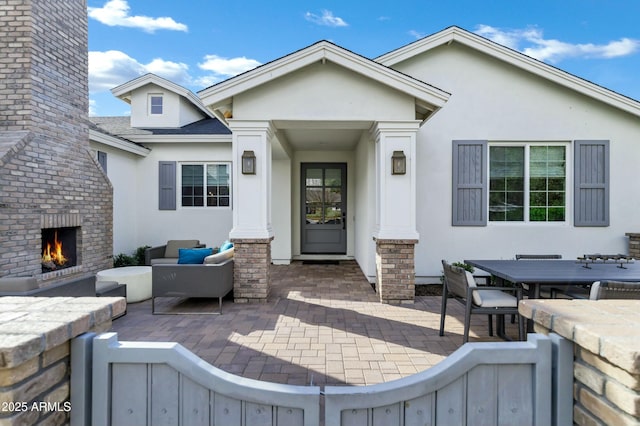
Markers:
(321, 135)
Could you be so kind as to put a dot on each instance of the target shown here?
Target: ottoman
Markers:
(137, 279)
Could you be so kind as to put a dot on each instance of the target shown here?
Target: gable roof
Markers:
(219, 96)
(512, 57)
(124, 90)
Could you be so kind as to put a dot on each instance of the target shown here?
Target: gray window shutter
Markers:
(469, 183)
(591, 183)
(167, 185)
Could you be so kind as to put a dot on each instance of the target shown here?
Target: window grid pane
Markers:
(210, 189)
(156, 104)
(217, 185)
(547, 171)
(191, 185)
(543, 181)
(506, 188)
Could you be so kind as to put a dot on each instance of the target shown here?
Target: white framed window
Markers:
(527, 182)
(205, 185)
(156, 104)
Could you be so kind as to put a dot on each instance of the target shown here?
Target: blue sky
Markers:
(196, 43)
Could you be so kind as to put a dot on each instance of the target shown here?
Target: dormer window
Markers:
(155, 104)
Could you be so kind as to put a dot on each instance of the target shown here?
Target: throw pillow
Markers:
(172, 247)
(219, 257)
(226, 246)
(193, 256)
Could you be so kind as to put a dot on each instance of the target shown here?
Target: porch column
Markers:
(396, 234)
(252, 232)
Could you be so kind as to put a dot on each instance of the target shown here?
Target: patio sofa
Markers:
(168, 253)
(214, 278)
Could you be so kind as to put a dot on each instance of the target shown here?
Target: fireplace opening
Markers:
(59, 248)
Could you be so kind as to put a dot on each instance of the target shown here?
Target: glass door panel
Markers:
(324, 208)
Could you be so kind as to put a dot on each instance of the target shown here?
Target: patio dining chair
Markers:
(614, 290)
(460, 285)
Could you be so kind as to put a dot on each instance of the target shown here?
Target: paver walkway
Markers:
(322, 325)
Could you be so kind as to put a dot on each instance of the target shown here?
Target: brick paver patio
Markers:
(322, 325)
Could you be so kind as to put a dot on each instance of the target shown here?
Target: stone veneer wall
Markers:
(606, 338)
(47, 172)
(251, 269)
(35, 335)
(395, 270)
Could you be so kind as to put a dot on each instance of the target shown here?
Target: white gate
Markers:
(140, 383)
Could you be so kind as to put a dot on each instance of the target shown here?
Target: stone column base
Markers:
(634, 244)
(251, 263)
(395, 270)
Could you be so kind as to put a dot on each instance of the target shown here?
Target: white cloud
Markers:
(92, 107)
(506, 38)
(176, 72)
(416, 34)
(224, 67)
(112, 68)
(116, 13)
(531, 42)
(326, 19)
(207, 80)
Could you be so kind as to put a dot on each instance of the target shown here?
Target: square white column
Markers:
(251, 192)
(395, 193)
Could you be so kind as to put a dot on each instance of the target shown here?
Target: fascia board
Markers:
(391, 78)
(117, 143)
(551, 73)
(516, 59)
(177, 139)
(224, 91)
(417, 47)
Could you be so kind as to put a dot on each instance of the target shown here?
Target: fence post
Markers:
(562, 376)
(81, 378)
(100, 410)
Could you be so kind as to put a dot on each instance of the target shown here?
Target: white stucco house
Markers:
(496, 154)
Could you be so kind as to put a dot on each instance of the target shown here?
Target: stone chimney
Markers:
(48, 176)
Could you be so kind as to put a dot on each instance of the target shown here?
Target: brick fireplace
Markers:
(48, 177)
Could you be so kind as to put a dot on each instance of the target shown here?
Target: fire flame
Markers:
(54, 255)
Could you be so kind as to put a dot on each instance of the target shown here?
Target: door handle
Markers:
(344, 217)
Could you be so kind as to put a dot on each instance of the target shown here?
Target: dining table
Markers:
(559, 273)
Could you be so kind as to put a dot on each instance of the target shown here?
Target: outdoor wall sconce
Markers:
(248, 163)
(398, 163)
